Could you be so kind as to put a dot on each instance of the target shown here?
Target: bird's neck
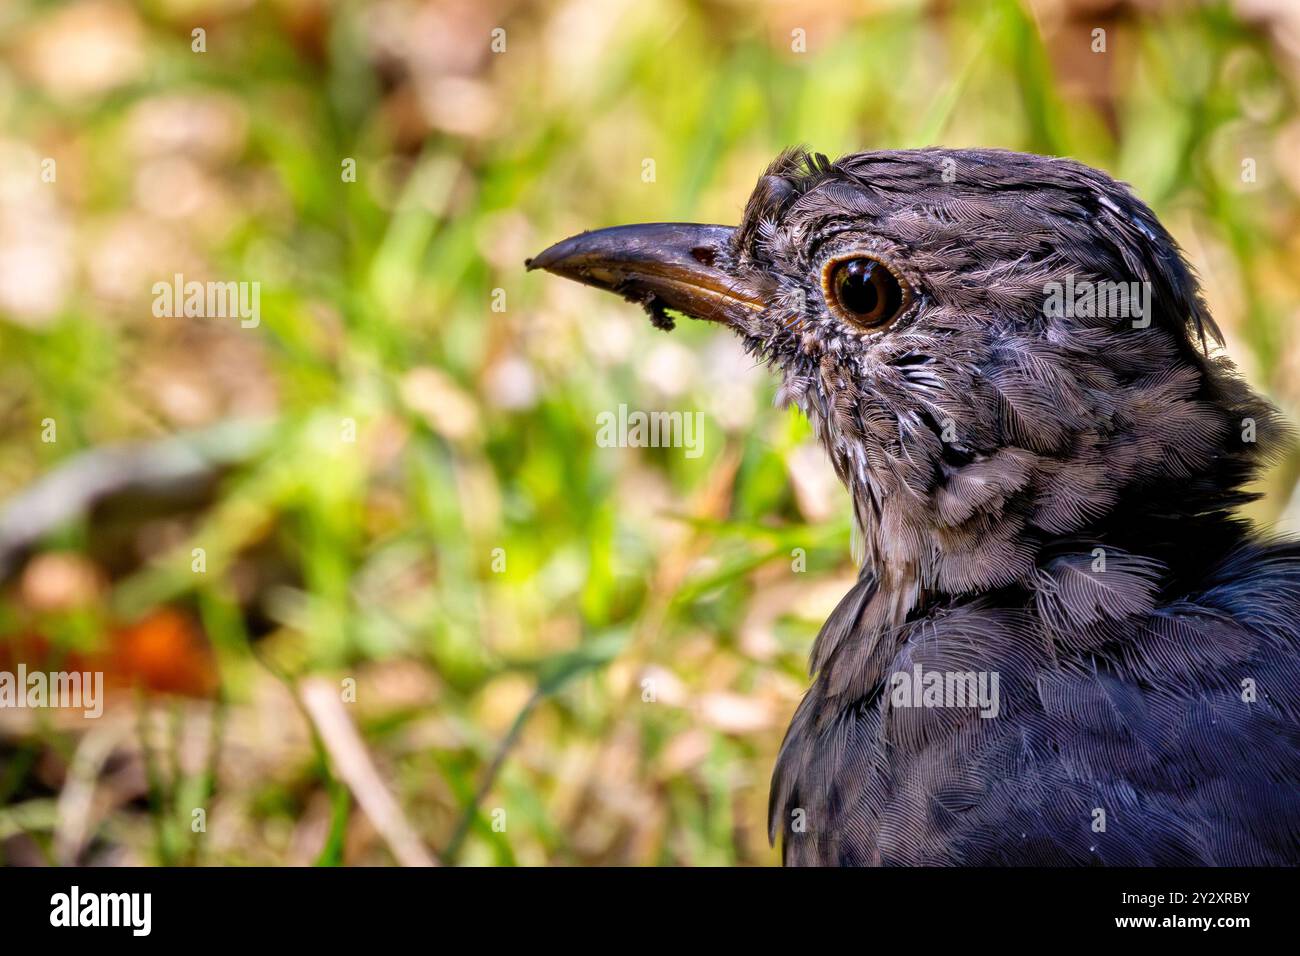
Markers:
(932, 532)
(899, 584)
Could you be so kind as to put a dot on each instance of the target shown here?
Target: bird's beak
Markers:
(659, 264)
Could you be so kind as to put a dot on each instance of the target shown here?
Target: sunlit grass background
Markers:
(562, 654)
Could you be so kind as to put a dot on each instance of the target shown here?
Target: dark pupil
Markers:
(859, 288)
(866, 293)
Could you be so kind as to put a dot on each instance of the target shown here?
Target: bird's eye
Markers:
(864, 292)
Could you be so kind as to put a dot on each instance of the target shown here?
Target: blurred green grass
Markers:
(474, 427)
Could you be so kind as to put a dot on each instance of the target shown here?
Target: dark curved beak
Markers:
(673, 265)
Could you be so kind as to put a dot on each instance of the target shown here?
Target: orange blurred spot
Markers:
(165, 653)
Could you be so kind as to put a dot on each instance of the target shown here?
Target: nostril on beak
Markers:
(705, 255)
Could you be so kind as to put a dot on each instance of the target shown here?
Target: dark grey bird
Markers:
(1064, 646)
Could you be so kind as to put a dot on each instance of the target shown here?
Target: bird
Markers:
(1065, 645)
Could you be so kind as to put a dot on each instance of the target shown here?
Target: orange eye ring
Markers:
(864, 291)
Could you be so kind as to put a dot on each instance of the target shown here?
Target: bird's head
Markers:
(997, 350)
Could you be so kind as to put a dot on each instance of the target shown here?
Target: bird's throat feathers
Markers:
(937, 521)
